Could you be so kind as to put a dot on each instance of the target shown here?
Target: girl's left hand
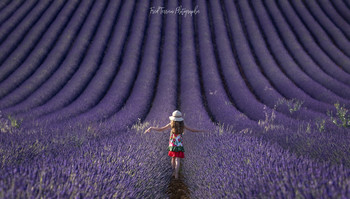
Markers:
(148, 130)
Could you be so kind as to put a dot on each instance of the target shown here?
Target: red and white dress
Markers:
(176, 148)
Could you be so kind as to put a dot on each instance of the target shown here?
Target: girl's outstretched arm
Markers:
(158, 128)
(194, 130)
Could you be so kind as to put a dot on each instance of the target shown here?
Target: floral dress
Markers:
(176, 148)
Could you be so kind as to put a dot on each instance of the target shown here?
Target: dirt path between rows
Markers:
(177, 189)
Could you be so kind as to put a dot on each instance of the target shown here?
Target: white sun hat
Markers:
(176, 116)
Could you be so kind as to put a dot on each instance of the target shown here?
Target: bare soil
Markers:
(177, 189)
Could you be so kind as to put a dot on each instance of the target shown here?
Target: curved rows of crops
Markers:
(81, 80)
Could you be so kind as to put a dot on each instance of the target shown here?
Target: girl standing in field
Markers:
(176, 148)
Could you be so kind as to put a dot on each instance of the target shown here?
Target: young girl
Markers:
(176, 148)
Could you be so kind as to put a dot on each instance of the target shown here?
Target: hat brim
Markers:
(177, 119)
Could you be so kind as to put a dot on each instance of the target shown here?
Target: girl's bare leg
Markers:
(177, 167)
(173, 165)
(173, 162)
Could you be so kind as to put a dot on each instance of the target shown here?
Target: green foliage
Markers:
(4, 127)
(140, 126)
(341, 118)
(14, 123)
(292, 104)
(269, 123)
(321, 125)
(9, 124)
(221, 128)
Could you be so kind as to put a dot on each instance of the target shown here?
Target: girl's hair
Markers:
(177, 127)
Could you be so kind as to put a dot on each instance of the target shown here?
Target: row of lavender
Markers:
(90, 161)
(279, 51)
(82, 163)
(53, 63)
(267, 82)
(231, 168)
(288, 132)
(212, 48)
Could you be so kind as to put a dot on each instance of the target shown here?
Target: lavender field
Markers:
(80, 81)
